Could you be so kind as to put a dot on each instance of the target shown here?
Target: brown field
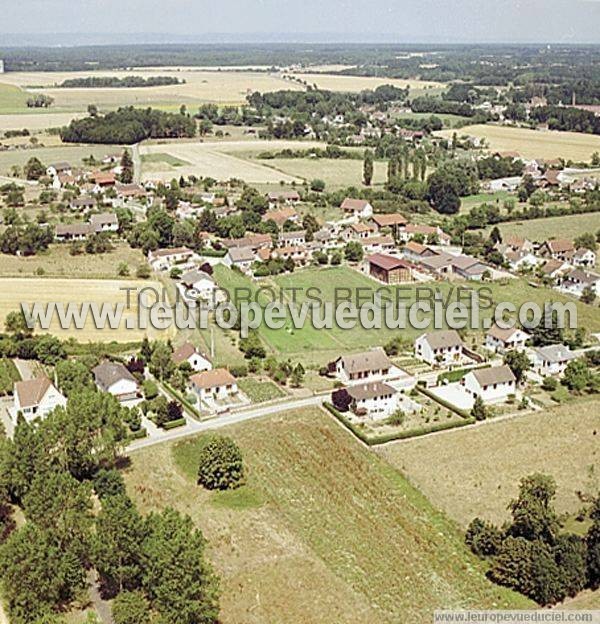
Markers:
(476, 471)
(334, 82)
(33, 290)
(36, 120)
(58, 262)
(324, 531)
(534, 143)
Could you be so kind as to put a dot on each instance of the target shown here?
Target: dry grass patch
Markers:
(476, 471)
(534, 143)
(339, 537)
(333, 82)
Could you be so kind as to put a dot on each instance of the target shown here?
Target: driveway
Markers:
(454, 394)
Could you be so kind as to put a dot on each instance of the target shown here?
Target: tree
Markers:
(533, 516)
(317, 185)
(368, 168)
(577, 376)
(34, 169)
(518, 362)
(177, 578)
(117, 555)
(592, 541)
(72, 376)
(570, 555)
(220, 464)
(126, 167)
(16, 324)
(131, 608)
(483, 538)
(353, 251)
(341, 400)
(479, 411)
(298, 375)
(547, 331)
(586, 240)
(161, 361)
(588, 295)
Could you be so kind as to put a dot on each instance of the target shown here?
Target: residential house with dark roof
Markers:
(365, 366)
(493, 385)
(501, 339)
(114, 378)
(35, 398)
(375, 399)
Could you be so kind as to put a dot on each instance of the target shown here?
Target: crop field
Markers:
(540, 230)
(317, 346)
(58, 262)
(221, 160)
(35, 121)
(12, 99)
(224, 87)
(476, 471)
(73, 154)
(62, 291)
(323, 532)
(534, 143)
(333, 82)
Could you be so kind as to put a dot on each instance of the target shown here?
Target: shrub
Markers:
(221, 465)
(150, 389)
(239, 371)
(483, 538)
(131, 608)
(108, 483)
(550, 384)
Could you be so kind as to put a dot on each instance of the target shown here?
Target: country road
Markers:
(137, 163)
(194, 427)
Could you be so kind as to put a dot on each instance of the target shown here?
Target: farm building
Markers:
(389, 269)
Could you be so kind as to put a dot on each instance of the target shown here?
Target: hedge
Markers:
(462, 413)
(400, 435)
(213, 253)
(137, 435)
(173, 424)
(181, 399)
(458, 374)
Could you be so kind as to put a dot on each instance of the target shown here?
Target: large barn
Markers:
(388, 269)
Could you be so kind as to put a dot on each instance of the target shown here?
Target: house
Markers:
(520, 260)
(35, 398)
(104, 222)
(72, 231)
(283, 197)
(394, 221)
(365, 366)
(505, 339)
(493, 385)
(415, 251)
(515, 243)
(198, 285)
(584, 257)
(376, 399)
(558, 249)
(442, 348)
(253, 241)
(554, 269)
(82, 204)
(428, 233)
(503, 184)
(374, 244)
(293, 238)
(129, 193)
(356, 231)
(296, 252)
(389, 269)
(281, 215)
(240, 257)
(575, 281)
(187, 352)
(102, 180)
(357, 208)
(55, 169)
(551, 360)
(165, 259)
(469, 268)
(216, 384)
(438, 264)
(114, 378)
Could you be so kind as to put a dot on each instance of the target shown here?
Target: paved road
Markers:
(194, 427)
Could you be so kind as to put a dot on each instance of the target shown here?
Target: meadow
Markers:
(62, 291)
(476, 472)
(333, 82)
(533, 143)
(540, 230)
(323, 531)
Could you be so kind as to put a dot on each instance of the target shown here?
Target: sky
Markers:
(393, 21)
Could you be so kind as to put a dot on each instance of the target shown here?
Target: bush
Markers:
(550, 384)
(221, 465)
(239, 371)
(150, 389)
(483, 538)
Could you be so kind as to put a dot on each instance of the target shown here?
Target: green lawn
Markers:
(449, 121)
(316, 346)
(8, 375)
(540, 230)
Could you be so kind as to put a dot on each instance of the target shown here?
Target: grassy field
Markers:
(160, 160)
(12, 99)
(534, 143)
(333, 82)
(316, 346)
(8, 375)
(259, 391)
(449, 121)
(71, 153)
(476, 472)
(324, 531)
(58, 262)
(32, 290)
(36, 121)
(221, 160)
(336, 173)
(553, 227)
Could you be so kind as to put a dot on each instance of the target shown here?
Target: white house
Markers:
(357, 208)
(105, 222)
(493, 384)
(217, 384)
(60, 167)
(500, 340)
(441, 348)
(366, 366)
(114, 378)
(292, 238)
(584, 257)
(198, 285)
(35, 398)
(187, 352)
(375, 399)
(165, 259)
(551, 360)
(240, 257)
(576, 281)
